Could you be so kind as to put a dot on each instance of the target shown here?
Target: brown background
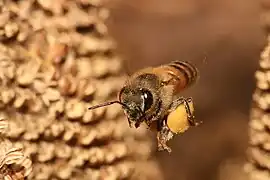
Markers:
(228, 35)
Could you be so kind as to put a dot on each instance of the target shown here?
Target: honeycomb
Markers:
(56, 60)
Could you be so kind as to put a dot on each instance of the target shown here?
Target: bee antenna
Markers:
(106, 104)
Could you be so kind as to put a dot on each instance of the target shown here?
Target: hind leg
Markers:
(164, 133)
(191, 118)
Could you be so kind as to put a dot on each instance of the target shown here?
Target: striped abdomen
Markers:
(180, 73)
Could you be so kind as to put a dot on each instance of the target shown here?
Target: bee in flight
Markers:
(151, 96)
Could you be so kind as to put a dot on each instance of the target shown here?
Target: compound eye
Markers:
(147, 99)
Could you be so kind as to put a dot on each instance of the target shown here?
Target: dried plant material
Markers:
(262, 99)
(87, 137)
(58, 53)
(107, 155)
(103, 13)
(35, 104)
(64, 151)
(256, 174)
(54, 131)
(32, 133)
(58, 61)
(26, 73)
(100, 67)
(85, 89)
(14, 164)
(7, 95)
(92, 2)
(84, 64)
(258, 152)
(105, 89)
(264, 62)
(50, 95)
(75, 109)
(11, 29)
(17, 128)
(4, 18)
(45, 152)
(93, 44)
(117, 66)
(23, 33)
(70, 66)
(23, 96)
(263, 80)
(88, 117)
(99, 113)
(261, 157)
(7, 67)
(3, 125)
(39, 86)
(56, 8)
(64, 172)
(57, 108)
(67, 85)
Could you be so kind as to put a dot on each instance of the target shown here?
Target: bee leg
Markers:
(148, 123)
(164, 134)
(190, 116)
(129, 123)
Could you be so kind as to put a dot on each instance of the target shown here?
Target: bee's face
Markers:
(137, 102)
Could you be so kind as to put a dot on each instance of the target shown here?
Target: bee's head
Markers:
(135, 103)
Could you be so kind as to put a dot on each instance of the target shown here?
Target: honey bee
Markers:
(151, 96)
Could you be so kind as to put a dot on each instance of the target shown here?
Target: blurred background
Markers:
(224, 39)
